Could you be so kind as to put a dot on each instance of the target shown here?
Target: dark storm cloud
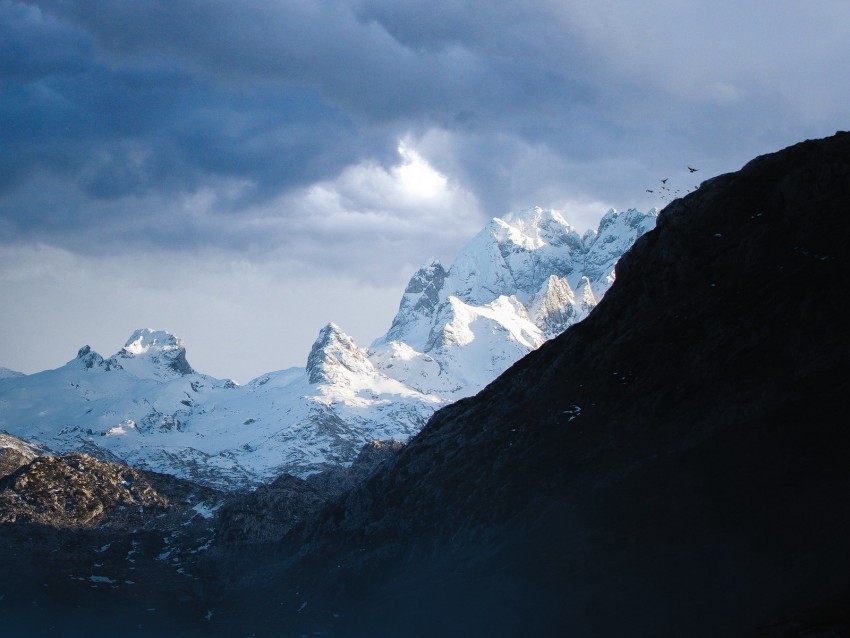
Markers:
(91, 119)
(123, 100)
(113, 110)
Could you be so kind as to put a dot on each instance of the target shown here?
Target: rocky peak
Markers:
(514, 256)
(540, 225)
(90, 359)
(420, 300)
(429, 276)
(523, 279)
(333, 353)
(161, 348)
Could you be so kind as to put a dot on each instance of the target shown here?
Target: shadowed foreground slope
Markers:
(677, 464)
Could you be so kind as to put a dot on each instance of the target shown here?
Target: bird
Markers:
(692, 170)
(664, 181)
(649, 191)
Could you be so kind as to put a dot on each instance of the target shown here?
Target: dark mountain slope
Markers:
(677, 464)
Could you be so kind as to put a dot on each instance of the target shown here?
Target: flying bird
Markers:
(692, 170)
(664, 181)
(649, 191)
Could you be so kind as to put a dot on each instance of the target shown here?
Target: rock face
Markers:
(676, 464)
(88, 545)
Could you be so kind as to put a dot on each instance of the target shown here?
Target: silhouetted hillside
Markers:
(677, 464)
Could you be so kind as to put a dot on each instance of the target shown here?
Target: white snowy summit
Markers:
(523, 279)
(335, 358)
(154, 352)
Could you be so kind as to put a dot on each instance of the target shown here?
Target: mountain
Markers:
(675, 464)
(146, 406)
(521, 280)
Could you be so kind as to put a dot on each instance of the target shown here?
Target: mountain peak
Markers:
(540, 224)
(89, 358)
(333, 353)
(158, 346)
(418, 304)
(144, 340)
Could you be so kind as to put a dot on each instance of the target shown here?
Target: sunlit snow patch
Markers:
(127, 426)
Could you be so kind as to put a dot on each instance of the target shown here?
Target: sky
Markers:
(242, 173)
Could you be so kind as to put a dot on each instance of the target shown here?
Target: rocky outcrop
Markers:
(335, 356)
(76, 490)
(14, 453)
(419, 302)
(267, 513)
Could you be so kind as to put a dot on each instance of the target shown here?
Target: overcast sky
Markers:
(242, 173)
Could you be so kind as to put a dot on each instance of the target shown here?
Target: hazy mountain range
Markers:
(521, 280)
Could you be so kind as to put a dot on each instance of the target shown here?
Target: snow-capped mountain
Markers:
(145, 405)
(520, 281)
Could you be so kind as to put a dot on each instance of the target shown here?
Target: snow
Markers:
(122, 429)
(144, 340)
(101, 579)
(523, 279)
(205, 510)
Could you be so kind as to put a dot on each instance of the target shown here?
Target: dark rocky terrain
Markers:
(76, 490)
(90, 547)
(269, 512)
(675, 465)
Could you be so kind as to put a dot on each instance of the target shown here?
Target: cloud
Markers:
(123, 108)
